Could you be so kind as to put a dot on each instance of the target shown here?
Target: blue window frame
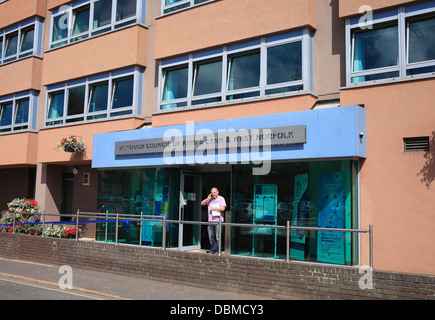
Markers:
(270, 66)
(169, 6)
(18, 112)
(21, 40)
(398, 44)
(104, 96)
(85, 19)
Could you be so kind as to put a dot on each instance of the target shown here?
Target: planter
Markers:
(69, 149)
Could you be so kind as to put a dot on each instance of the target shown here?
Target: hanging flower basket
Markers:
(71, 144)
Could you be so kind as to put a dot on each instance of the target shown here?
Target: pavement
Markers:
(112, 286)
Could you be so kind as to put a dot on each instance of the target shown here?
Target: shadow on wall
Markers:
(428, 171)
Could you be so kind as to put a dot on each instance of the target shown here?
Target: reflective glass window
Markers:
(22, 113)
(6, 114)
(208, 78)
(284, 63)
(376, 48)
(125, 9)
(102, 13)
(123, 93)
(11, 45)
(175, 86)
(76, 100)
(98, 97)
(421, 40)
(27, 39)
(244, 71)
(55, 109)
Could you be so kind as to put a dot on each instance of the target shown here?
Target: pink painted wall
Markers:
(395, 197)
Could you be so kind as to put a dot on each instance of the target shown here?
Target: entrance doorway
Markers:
(67, 196)
(189, 210)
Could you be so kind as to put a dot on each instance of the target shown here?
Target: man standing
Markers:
(216, 208)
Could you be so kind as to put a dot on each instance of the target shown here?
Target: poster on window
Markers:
(265, 202)
(299, 218)
(330, 245)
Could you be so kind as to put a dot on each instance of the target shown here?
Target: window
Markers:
(16, 112)
(175, 5)
(398, 45)
(258, 68)
(20, 41)
(305, 194)
(84, 19)
(89, 99)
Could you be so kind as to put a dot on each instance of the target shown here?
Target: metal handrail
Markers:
(117, 217)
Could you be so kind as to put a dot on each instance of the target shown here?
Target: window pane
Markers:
(81, 20)
(376, 48)
(244, 71)
(208, 78)
(6, 114)
(102, 13)
(56, 105)
(22, 115)
(98, 97)
(60, 27)
(1, 48)
(422, 40)
(284, 63)
(123, 93)
(125, 9)
(76, 100)
(27, 39)
(175, 86)
(11, 44)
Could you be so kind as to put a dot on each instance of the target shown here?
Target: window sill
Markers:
(80, 123)
(236, 102)
(388, 81)
(95, 37)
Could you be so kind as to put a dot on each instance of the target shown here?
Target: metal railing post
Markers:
(220, 237)
(164, 233)
(43, 223)
(140, 229)
(371, 244)
(77, 224)
(287, 239)
(107, 218)
(116, 229)
(13, 224)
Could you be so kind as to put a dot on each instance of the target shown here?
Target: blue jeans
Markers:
(213, 236)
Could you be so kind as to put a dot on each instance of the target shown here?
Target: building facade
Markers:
(309, 111)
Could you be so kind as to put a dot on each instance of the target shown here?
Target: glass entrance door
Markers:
(190, 208)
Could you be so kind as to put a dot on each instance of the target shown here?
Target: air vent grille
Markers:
(416, 144)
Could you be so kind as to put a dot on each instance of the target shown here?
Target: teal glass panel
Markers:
(102, 13)
(307, 194)
(76, 100)
(125, 9)
(175, 86)
(55, 109)
(208, 78)
(130, 193)
(244, 71)
(98, 97)
(421, 40)
(284, 63)
(123, 93)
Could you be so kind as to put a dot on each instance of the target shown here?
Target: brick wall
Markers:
(268, 278)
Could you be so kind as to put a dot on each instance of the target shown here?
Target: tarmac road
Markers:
(22, 280)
